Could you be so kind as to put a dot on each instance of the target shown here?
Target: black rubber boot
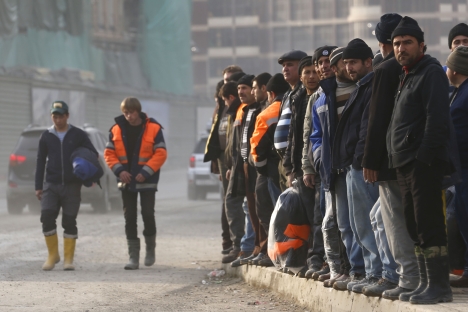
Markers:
(422, 277)
(150, 257)
(438, 288)
(134, 254)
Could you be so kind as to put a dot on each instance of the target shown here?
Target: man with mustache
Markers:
(417, 142)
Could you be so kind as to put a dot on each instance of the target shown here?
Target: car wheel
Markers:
(34, 207)
(116, 203)
(14, 208)
(102, 204)
(192, 192)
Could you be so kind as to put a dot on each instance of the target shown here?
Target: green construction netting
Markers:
(53, 36)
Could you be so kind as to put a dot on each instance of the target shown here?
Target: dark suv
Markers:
(22, 168)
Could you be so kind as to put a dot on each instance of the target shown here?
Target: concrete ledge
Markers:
(314, 296)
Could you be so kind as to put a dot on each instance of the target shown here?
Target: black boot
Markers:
(150, 250)
(437, 267)
(134, 254)
(422, 276)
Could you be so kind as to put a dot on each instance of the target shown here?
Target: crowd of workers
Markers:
(369, 141)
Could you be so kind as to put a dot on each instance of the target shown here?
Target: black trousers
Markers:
(225, 234)
(147, 200)
(421, 188)
(264, 205)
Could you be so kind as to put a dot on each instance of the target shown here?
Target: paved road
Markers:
(188, 248)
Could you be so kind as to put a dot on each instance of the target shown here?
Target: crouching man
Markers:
(136, 152)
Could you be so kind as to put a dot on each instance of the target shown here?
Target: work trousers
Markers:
(264, 205)
(54, 197)
(233, 203)
(147, 201)
(226, 243)
(399, 242)
(420, 186)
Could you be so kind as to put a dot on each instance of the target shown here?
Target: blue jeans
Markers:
(353, 250)
(275, 192)
(361, 198)
(247, 243)
(388, 263)
(461, 211)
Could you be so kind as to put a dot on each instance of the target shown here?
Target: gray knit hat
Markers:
(458, 60)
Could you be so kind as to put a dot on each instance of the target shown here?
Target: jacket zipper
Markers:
(61, 156)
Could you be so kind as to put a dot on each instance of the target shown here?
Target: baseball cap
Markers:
(59, 107)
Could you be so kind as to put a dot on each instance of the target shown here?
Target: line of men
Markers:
(371, 145)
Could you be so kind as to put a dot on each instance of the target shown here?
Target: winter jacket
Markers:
(212, 149)
(230, 147)
(307, 153)
(459, 114)
(86, 166)
(351, 132)
(384, 88)
(149, 155)
(324, 119)
(292, 161)
(54, 156)
(261, 143)
(419, 127)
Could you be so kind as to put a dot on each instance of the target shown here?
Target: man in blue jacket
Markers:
(457, 72)
(61, 188)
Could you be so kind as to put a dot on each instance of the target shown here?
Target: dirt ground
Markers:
(188, 248)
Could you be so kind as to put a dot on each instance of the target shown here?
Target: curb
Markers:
(314, 296)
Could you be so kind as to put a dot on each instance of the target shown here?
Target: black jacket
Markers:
(351, 132)
(384, 87)
(57, 156)
(292, 160)
(419, 127)
(213, 150)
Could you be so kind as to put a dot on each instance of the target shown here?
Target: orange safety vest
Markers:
(264, 120)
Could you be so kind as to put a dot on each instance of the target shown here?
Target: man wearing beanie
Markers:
(389, 216)
(458, 36)
(348, 149)
(322, 61)
(344, 264)
(417, 143)
(457, 73)
(266, 159)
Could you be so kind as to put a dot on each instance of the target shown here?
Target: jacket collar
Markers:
(365, 80)
(51, 129)
(232, 110)
(328, 85)
(120, 120)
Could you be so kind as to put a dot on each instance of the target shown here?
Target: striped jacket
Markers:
(261, 143)
(151, 153)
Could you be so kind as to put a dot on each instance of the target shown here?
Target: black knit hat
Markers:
(459, 30)
(336, 55)
(246, 80)
(458, 60)
(357, 49)
(277, 84)
(408, 27)
(236, 76)
(323, 51)
(388, 23)
(306, 61)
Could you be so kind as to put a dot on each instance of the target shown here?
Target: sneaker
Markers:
(232, 255)
(246, 260)
(367, 281)
(343, 284)
(394, 294)
(378, 288)
(329, 282)
(325, 269)
(265, 261)
(226, 251)
(242, 255)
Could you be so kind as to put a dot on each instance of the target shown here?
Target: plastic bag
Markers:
(289, 232)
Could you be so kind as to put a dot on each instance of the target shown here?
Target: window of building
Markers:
(342, 35)
(246, 36)
(281, 40)
(342, 8)
(301, 10)
(220, 37)
(302, 38)
(323, 35)
(280, 10)
(322, 9)
(245, 7)
(217, 65)
(219, 8)
(413, 6)
(250, 64)
(364, 29)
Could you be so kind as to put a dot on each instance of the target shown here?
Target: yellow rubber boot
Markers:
(54, 257)
(68, 253)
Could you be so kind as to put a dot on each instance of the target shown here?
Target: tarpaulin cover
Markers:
(289, 232)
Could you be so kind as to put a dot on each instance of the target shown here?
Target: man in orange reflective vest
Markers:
(135, 152)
